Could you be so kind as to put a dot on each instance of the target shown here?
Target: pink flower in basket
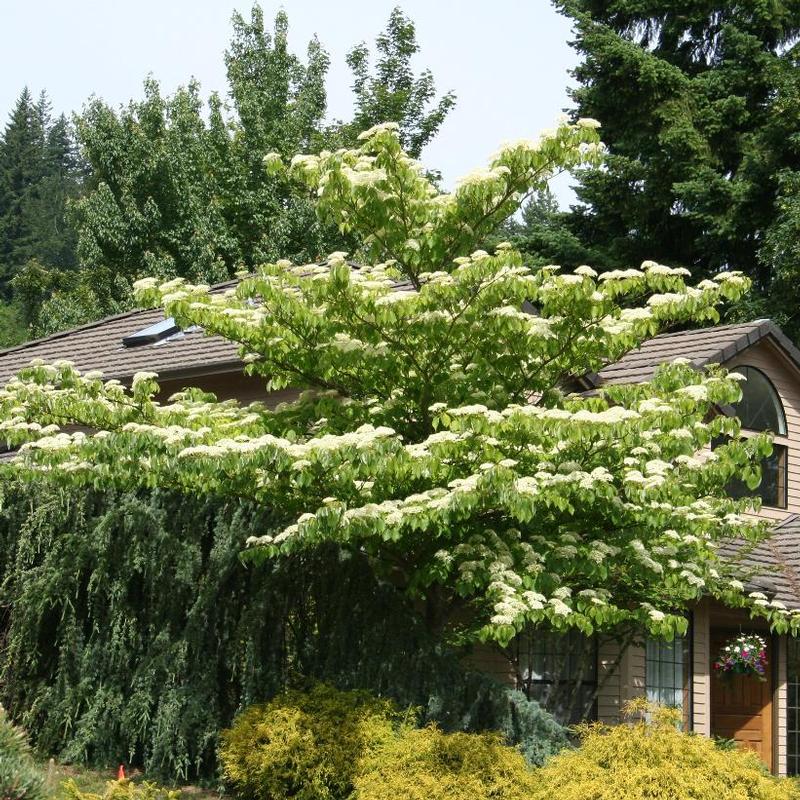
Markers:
(746, 654)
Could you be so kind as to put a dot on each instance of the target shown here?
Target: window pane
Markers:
(666, 665)
(772, 489)
(559, 671)
(760, 408)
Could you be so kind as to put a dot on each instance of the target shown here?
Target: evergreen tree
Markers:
(20, 168)
(52, 236)
(693, 99)
(542, 233)
(40, 172)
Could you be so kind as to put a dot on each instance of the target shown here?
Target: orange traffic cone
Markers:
(121, 773)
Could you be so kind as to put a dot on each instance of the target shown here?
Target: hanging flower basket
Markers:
(743, 655)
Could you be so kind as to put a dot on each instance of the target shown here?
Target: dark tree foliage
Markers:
(49, 300)
(280, 102)
(279, 105)
(698, 106)
(40, 171)
(133, 632)
(20, 170)
(543, 235)
(152, 205)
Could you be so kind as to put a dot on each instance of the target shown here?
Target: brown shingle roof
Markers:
(701, 347)
(98, 345)
(776, 563)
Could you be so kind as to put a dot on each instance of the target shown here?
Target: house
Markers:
(762, 715)
(124, 344)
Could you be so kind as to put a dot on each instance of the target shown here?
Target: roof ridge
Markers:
(726, 327)
(723, 354)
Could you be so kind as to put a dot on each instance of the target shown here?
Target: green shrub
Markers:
(427, 764)
(305, 745)
(120, 790)
(19, 777)
(100, 663)
(655, 760)
(473, 703)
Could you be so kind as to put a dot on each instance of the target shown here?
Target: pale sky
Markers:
(507, 60)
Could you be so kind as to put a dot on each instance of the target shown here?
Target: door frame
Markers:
(779, 709)
(772, 670)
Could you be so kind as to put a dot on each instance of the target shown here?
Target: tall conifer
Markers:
(696, 100)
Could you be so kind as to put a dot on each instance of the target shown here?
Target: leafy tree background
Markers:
(701, 173)
(176, 185)
(698, 104)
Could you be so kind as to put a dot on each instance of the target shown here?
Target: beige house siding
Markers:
(636, 676)
(701, 667)
(629, 680)
(622, 683)
(231, 386)
(786, 379)
(608, 678)
(490, 660)
(619, 682)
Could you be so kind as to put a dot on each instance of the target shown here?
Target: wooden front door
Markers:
(741, 706)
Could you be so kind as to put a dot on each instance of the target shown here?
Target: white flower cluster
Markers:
(376, 130)
(481, 176)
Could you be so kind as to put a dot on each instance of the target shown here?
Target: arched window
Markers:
(760, 408)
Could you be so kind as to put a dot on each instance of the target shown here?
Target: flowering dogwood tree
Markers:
(443, 427)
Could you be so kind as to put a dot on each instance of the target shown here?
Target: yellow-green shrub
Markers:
(655, 760)
(305, 745)
(426, 764)
(120, 790)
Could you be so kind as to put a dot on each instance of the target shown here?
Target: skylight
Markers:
(152, 333)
